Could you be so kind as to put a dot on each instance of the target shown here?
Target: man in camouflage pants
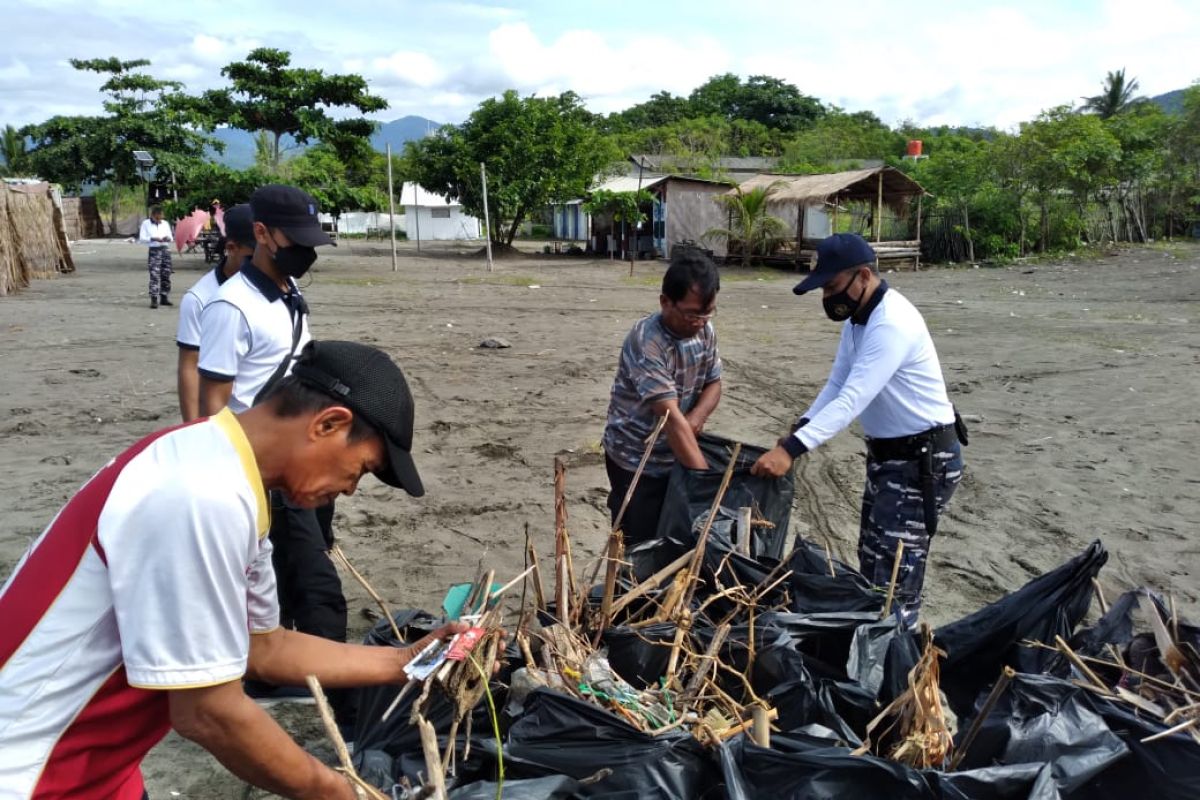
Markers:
(887, 375)
(155, 233)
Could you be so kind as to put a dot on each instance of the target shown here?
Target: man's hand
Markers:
(695, 422)
(774, 463)
(447, 631)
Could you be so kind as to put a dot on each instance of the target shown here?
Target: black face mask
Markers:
(841, 306)
(295, 260)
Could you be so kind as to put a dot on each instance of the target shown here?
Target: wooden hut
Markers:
(33, 239)
(811, 204)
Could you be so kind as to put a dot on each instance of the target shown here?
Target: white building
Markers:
(430, 217)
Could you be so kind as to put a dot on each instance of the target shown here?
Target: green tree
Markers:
(1180, 177)
(537, 150)
(1072, 153)
(769, 101)
(321, 172)
(838, 138)
(1118, 95)
(12, 150)
(955, 173)
(267, 94)
(1140, 133)
(752, 229)
(663, 108)
(143, 113)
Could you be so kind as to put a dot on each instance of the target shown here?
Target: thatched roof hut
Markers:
(33, 239)
(878, 188)
(894, 187)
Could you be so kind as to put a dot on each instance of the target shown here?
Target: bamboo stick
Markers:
(1183, 726)
(1075, 660)
(887, 605)
(339, 744)
(560, 537)
(761, 730)
(652, 582)
(702, 669)
(531, 552)
(977, 724)
(433, 759)
(745, 533)
(637, 474)
(610, 581)
(383, 606)
(702, 542)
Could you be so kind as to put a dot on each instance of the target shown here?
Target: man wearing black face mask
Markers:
(886, 374)
(250, 335)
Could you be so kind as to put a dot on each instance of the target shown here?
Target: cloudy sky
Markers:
(979, 63)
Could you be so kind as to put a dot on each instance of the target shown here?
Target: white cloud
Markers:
(405, 67)
(16, 70)
(604, 69)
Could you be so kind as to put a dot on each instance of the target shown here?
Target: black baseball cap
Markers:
(835, 254)
(369, 383)
(292, 211)
(239, 225)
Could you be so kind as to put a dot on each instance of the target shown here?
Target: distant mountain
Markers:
(402, 130)
(1171, 102)
(239, 144)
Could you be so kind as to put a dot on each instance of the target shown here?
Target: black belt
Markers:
(911, 448)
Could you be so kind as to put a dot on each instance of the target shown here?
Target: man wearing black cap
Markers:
(236, 246)
(151, 593)
(886, 374)
(250, 334)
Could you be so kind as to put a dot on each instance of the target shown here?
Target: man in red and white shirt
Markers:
(151, 593)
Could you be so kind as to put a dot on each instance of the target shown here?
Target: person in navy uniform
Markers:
(886, 374)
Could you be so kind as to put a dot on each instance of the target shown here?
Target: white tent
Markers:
(433, 217)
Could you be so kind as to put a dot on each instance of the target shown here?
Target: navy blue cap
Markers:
(239, 225)
(835, 254)
(290, 210)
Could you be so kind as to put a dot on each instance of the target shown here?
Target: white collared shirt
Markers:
(154, 230)
(886, 374)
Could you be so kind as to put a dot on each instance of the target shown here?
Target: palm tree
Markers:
(12, 149)
(751, 225)
(1117, 97)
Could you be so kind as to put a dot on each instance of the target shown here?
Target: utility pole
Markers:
(486, 218)
(391, 206)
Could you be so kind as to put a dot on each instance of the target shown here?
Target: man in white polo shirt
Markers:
(237, 246)
(249, 334)
(887, 375)
(151, 593)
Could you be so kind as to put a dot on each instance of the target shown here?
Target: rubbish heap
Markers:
(710, 664)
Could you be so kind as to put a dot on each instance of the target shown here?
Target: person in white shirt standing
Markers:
(156, 234)
(886, 374)
(236, 246)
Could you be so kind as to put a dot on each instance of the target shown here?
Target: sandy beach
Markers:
(1080, 377)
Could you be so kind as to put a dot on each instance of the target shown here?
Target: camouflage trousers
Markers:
(893, 511)
(159, 265)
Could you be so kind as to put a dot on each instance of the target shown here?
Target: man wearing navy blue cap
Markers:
(252, 333)
(886, 374)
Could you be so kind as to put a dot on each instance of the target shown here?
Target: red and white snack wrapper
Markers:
(464, 643)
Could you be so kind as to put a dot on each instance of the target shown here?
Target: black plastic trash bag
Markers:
(1093, 745)
(795, 770)
(565, 736)
(550, 787)
(690, 494)
(641, 656)
(979, 646)
(812, 589)
(881, 656)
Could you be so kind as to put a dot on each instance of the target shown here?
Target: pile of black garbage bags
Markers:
(828, 664)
